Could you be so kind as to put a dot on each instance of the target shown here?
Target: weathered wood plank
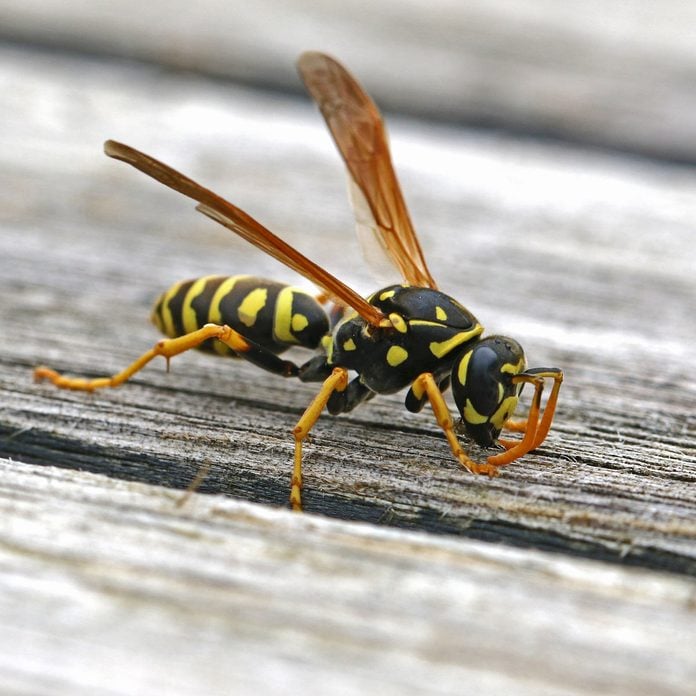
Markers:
(239, 598)
(617, 74)
(587, 259)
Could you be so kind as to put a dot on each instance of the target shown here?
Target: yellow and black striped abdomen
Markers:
(274, 315)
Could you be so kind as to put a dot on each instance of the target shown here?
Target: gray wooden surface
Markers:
(586, 258)
(620, 74)
(235, 598)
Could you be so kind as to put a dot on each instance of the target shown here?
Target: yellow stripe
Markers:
(471, 415)
(442, 348)
(166, 313)
(514, 369)
(251, 305)
(463, 367)
(282, 321)
(505, 410)
(226, 287)
(188, 315)
(156, 315)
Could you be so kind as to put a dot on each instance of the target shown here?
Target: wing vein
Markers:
(245, 226)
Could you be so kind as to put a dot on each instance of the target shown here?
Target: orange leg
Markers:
(167, 348)
(425, 384)
(336, 381)
(535, 429)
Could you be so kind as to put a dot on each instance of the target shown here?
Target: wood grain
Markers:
(88, 244)
(616, 75)
(586, 258)
(240, 598)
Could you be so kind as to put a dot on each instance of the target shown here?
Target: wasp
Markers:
(405, 335)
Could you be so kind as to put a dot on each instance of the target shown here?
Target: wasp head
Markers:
(483, 386)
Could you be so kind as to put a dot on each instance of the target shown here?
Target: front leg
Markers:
(538, 425)
(425, 386)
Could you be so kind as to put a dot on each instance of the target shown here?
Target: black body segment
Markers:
(429, 330)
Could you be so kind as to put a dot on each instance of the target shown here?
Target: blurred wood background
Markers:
(546, 152)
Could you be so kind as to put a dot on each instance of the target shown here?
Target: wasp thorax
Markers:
(483, 386)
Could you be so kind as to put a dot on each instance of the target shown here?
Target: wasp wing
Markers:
(358, 131)
(373, 248)
(245, 226)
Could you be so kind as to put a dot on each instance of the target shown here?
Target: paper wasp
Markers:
(405, 335)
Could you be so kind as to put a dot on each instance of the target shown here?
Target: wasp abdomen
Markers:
(273, 315)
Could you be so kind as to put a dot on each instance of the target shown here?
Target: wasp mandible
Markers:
(404, 335)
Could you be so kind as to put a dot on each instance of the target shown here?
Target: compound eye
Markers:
(483, 388)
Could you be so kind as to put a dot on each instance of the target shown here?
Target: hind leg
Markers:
(170, 347)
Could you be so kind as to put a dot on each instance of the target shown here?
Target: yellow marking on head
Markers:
(505, 410)
(188, 314)
(251, 305)
(472, 416)
(515, 368)
(387, 294)
(224, 289)
(440, 314)
(463, 367)
(396, 355)
(349, 345)
(398, 322)
(442, 348)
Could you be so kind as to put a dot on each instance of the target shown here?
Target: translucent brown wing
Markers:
(358, 131)
(245, 226)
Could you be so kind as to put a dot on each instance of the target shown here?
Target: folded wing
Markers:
(358, 131)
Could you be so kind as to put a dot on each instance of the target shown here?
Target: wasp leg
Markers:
(544, 424)
(353, 395)
(336, 381)
(415, 404)
(170, 347)
(425, 384)
(315, 370)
